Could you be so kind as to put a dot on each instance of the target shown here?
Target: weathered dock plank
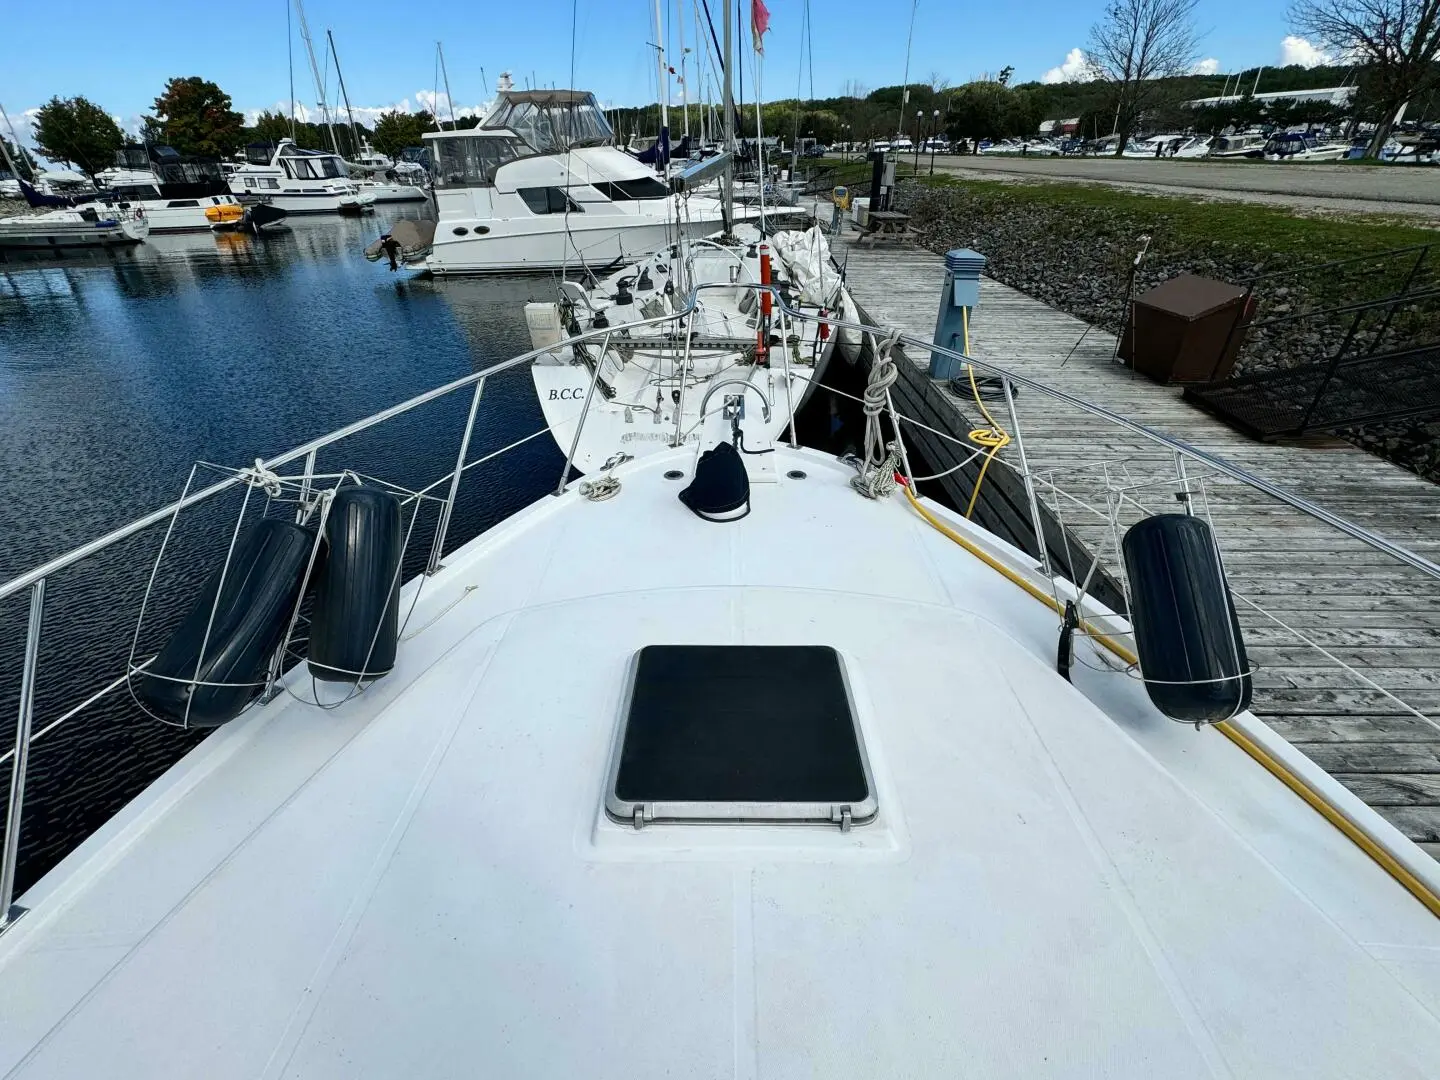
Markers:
(1373, 613)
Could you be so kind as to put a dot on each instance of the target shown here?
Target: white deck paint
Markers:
(421, 883)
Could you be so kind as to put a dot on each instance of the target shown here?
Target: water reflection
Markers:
(117, 373)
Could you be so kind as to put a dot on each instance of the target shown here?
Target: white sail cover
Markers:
(808, 256)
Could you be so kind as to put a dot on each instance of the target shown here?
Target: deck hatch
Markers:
(739, 733)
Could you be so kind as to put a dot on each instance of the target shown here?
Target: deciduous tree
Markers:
(1396, 41)
(1136, 44)
(396, 130)
(79, 133)
(195, 117)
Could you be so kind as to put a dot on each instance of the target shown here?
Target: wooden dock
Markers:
(1367, 610)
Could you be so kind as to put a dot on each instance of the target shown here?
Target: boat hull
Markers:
(511, 247)
(385, 192)
(17, 235)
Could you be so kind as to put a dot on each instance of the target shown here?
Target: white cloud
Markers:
(1075, 68)
(367, 115)
(1208, 66)
(1296, 50)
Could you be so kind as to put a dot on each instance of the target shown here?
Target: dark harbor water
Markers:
(117, 374)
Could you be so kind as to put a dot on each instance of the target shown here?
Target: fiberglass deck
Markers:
(424, 882)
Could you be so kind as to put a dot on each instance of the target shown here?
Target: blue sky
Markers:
(387, 49)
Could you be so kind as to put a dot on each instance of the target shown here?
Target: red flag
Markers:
(759, 23)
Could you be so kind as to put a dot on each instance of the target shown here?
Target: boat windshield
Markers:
(551, 120)
(472, 160)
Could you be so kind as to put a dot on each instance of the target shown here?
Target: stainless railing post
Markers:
(585, 411)
(302, 511)
(684, 374)
(437, 552)
(1025, 475)
(1184, 481)
(18, 764)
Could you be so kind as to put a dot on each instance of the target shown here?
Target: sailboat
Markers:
(650, 383)
(67, 225)
(677, 772)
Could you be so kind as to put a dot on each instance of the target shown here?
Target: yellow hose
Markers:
(992, 438)
(1276, 768)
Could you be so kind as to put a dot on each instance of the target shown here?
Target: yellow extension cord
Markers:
(1278, 769)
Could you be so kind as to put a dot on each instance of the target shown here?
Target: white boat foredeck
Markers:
(422, 882)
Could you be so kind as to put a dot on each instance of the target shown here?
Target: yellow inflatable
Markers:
(225, 214)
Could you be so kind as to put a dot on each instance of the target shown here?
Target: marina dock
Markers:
(1367, 611)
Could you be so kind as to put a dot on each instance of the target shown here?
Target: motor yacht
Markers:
(176, 193)
(298, 181)
(540, 186)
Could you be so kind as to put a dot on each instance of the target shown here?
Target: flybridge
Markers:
(548, 121)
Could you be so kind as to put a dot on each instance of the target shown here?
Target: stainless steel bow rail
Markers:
(34, 581)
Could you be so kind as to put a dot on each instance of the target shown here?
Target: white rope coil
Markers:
(876, 479)
(606, 487)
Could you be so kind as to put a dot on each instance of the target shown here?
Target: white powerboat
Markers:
(1196, 146)
(652, 382)
(174, 192)
(539, 185)
(387, 180)
(381, 190)
(298, 181)
(1245, 144)
(93, 225)
(638, 794)
(1298, 146)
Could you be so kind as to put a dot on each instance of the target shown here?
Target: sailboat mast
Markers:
(290, 63)
(662, 69)
(449, 101)
(727, 179)
(344, 96)
(19, 150)
(702, 50)
(315, 71)
(684, 83)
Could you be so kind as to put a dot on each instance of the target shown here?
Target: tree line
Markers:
(195, 116)
(1139, 61)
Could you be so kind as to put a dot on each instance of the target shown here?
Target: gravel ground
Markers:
(1077, 260)
(1410, 190)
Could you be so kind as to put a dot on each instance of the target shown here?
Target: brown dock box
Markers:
(1180, 331)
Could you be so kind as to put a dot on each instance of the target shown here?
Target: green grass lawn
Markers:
(1182, 223)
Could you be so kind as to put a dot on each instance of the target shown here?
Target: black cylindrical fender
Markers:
(252, 603)
(1192, 654)
(354, 628)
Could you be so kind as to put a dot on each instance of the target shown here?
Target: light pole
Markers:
(933, 136)
(919, 121)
